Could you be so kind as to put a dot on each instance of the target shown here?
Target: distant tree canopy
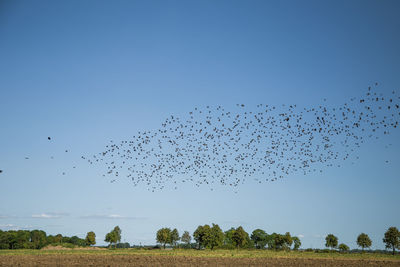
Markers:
(35, 239)
(215, 237)
(260, 238)
(114, 236)
(186, 238)
(297, 242)
(392, 239)
(174, 237)
(123, 245)
(90, 238)
(206, 236)
(200, 235)
(343, 247)
(163, 236)
(331, 241)
(364, 241)
(240, 237)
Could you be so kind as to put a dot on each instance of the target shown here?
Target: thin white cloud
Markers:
(111, 216)
(10, 226)
(50, 215)
(300, 236)
(6, 225)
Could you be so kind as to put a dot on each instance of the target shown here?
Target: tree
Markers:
(364, 241)
(331, 241)
(38, 238)
(228, 241)
(174, 237)
(123, 245)
(112, 237)
(58, 238)
(240, 237)
(201, 235)
(77, 241)
(186, 238)
(343, 247)
(297, 242)
(278, 241)
(90, 238)
(259, 238)
(23, 239)
(163, 236)
(214, 237)
(288, 240)
(117, 232)
(392, 238)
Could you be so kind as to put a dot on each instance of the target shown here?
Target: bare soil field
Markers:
(154, 260)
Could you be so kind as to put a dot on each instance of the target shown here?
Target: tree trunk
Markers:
(393, 250)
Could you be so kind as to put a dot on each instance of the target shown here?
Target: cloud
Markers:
(50, 215)
(10, 226)
(300, 236)
(6, 225)
(111, 216)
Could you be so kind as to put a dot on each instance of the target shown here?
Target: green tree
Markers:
(392, 238)
(90, 238)
(38, 238)
(331, 241)
(288, 240)
(77, 241)
(3, 240)
(163, 236)
(343, 247)
(364, 241)
(240, 237)
(214, 237)
(259, 238)
(58, 238)
(117, 232)
(186, 238)
(12, 239)
(279, 241)
(228, 241)
(297, 242)
(201, 235)
(23, 239)
(112, 238)
(174, 238)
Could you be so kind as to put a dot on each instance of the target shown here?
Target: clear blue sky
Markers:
(86, 72)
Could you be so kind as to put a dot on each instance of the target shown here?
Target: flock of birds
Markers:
(265, 143)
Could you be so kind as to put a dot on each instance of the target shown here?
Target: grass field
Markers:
(179, 257)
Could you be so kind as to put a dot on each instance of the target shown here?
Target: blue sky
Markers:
(87, 72)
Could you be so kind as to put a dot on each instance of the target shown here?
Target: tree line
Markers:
(212, 237)
(37, 239)
(205, 236)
